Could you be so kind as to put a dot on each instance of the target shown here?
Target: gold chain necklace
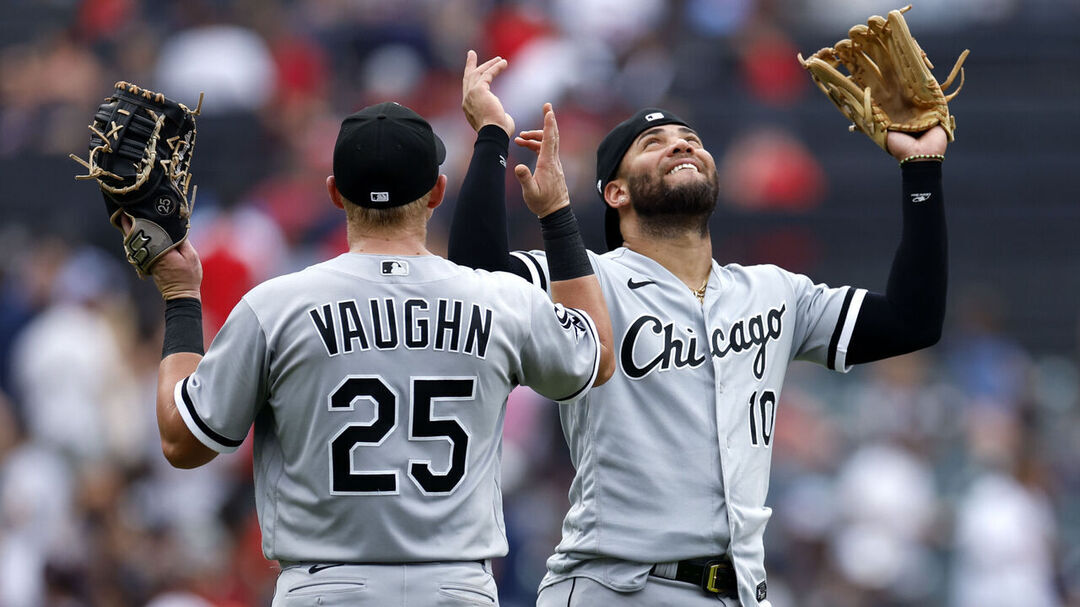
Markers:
(700, 291)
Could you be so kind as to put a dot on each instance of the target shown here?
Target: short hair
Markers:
(394, 217)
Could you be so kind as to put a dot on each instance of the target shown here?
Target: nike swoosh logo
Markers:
(318, 568)
(637, 285)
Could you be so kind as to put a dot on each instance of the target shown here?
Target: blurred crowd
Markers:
(942, 478)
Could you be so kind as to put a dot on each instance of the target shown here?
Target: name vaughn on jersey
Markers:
(385, 324)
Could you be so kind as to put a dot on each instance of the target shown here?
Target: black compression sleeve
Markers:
(910, 314)
(478, 237)
(183, 326)
(566, 254)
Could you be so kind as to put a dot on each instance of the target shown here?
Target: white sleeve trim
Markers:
(849, 328)
(595, 338)
(196, 425)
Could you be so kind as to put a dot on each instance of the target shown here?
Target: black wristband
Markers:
(921, 175)
(183, 326)
(566, 254)
(495, 134)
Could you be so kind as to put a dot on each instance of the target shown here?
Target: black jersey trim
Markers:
(536, 270)
(207, 430)
(840, 321)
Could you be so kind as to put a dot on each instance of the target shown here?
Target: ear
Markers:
(437, 192)
(335, 195)
(616, 194)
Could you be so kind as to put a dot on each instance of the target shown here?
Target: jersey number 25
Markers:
(344, 480)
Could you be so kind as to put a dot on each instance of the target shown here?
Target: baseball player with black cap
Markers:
(672, 455)
(377, 383)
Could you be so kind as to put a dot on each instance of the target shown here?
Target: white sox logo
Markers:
(570, 322)
(678, 352)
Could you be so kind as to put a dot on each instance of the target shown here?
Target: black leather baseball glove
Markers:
(140, 155)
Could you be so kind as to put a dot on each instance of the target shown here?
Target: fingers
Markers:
(535, 139)
(485, 71)
(531, 144)
(549, 147)
(487, 65)
(487, 74)
(524, 176)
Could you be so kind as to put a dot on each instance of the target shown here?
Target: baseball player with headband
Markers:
(377, 381)
(672, 455)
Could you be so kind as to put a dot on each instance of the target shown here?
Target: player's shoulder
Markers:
(271, 290)
(499, 288)
(757, 275)
(755, 270)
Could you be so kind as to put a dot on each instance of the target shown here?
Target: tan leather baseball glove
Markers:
(889, 86)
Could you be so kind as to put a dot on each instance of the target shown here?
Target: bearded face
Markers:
(666, 207)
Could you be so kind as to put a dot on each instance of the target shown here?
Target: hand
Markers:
(178, 273)
(545, 190)
(903, 145)
(480, 105)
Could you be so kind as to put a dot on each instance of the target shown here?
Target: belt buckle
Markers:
(712, 571)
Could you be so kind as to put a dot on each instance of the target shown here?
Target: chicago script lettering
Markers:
(675, 351)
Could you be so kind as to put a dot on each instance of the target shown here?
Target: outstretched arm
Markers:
(178, 275)
(910, 315)
(573, 280)
(478, 236)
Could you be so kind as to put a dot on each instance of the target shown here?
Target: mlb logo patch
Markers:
(380, 197)
(395, 267)
(653, 116)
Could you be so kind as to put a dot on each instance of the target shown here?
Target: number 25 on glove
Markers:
(890, 86)
(140, 155)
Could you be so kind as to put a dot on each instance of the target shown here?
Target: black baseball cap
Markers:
(610, 154)
(386, 155)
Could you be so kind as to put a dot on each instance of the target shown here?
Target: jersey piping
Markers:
(198, 427)
(537, 275)
(845, 326)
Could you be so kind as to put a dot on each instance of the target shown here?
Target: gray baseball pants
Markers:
(658, 592)
(448, 584)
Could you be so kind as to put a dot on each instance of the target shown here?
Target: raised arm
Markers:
(910, 315)
(178, 275)
(573, 281)
(478, 236)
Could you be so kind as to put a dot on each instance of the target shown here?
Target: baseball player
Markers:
(672, 455)
(377, 381)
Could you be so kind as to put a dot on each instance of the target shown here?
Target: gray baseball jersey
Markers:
(377, 387)
(673, 452)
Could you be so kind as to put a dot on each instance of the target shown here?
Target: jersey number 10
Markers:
(344, 480)
(765, 410)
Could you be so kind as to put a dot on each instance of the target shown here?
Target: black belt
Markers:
(714, 575)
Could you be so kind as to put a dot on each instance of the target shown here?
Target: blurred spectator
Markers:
(887, 503)
(70, 367)
(231, 64)
(1004, 540)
